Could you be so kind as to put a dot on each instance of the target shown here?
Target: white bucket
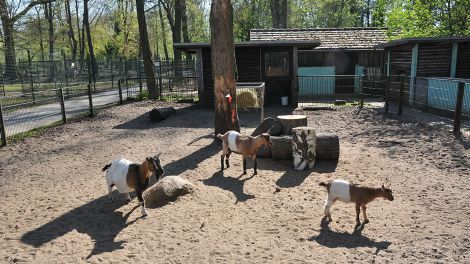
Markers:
(284, 100)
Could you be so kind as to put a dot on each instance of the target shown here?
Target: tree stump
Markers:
(159, 114)
(281, 148)
(290, 121)
(327, 147)
(303, 147)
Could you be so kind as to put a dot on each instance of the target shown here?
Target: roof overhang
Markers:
(301, 44)
(404, 41)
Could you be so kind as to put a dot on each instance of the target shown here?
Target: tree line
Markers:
(99, 29)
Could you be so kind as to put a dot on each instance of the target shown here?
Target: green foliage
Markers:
(249, 14)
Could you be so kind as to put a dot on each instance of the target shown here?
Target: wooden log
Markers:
(269, 125)
(303, 147)
(290, 121)
(281, 148)
(327, 147)
(159, 114)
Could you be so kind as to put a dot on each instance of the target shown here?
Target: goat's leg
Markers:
(227, 156)
(366, 220)
(358, 211)
(224, 152)
(139, 192)
(327, 207)
(110, 185)
(256, 164)
(244, 165)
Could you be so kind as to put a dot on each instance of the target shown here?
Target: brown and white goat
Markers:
(350, 193)
(128, 177)
(242, 144)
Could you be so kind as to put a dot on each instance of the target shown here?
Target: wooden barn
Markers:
(432, 67)
(278, 56)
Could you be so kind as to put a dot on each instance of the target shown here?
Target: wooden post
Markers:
(387, 94)
(2, 124)
(402, 90)
(160, 81)
(90, 100)
(458, 108)
(31, 78)
(62, 105)
(120, 91)
(303, 148)
(361, 87)
(290, 121)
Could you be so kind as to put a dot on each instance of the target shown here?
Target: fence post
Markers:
(33, 95)
(120, 91)
(112, 73)
(361, 86)
(387, 92)
(62, 105)
(160, 81)
(2, 123)
(458, 108)
(402, 90)
(90, 100)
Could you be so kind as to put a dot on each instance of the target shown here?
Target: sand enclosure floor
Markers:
(55, 207)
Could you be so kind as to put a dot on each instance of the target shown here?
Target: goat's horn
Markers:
(158, 155)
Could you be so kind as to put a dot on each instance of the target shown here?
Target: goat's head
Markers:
(155, 167)
(267, 139)
(387, 193)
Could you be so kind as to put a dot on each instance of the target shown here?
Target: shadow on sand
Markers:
(333, 239)
(98, 219)
(234, 185)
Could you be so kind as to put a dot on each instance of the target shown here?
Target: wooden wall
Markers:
(400, 60)
(463, 61)
(434, 60)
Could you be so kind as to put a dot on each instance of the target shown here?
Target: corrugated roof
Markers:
(330, 38)
(403, 41)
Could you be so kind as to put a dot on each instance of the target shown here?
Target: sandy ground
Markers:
(54, 207)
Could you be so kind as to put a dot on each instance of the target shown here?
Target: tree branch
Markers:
(28, 7)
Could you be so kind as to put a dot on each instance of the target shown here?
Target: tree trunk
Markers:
(290, 121)
(279, 13)
(303, 148)
(11, 70)
(177, 34)
(86, 23)
(81, 40)
(41, 42)
(159, 114)
(184, 27)
(223, 66)
(70, 33)
(50, 26)
(281, 148)
(146, 52)
(165, 48)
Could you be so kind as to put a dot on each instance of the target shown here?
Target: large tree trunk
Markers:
(41, 42)
(70, 33)
(177, 33)
(86, 23)
(81, 40)
(146, 53)
(165, 48)
(184, 28)
(11, 70)
(279, 13)
(223, 66)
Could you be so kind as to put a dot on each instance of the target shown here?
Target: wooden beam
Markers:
(200, 77)
(294, 86)
(414, 68)
(453, 64)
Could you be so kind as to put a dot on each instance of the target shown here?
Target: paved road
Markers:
(25, 119)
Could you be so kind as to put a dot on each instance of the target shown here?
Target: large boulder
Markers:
(166, 190)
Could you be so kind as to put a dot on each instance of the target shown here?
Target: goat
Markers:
(350, 193)
(128, 177)
(247, 146)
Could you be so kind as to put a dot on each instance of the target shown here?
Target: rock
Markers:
(166, 190)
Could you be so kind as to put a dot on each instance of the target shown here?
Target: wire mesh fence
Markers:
(250, 96)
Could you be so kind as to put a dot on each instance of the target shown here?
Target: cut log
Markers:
(269, 125)
(281, 148)
(159, 114)
(327, 147)
(290, 121)
(303, 147)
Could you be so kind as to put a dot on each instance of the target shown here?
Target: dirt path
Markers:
(55, 209)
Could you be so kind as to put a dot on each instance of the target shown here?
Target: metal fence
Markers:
(250, 95)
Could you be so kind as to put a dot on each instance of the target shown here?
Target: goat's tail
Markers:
(325, 184)
(106, 167)
(219, 136)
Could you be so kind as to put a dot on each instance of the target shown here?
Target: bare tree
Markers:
(86, 24)
(70, 33)
(41, 43)
(175, 22)
(145, 47)
(165, 48)
(49, 16)
(223, 66)
(9, 16)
